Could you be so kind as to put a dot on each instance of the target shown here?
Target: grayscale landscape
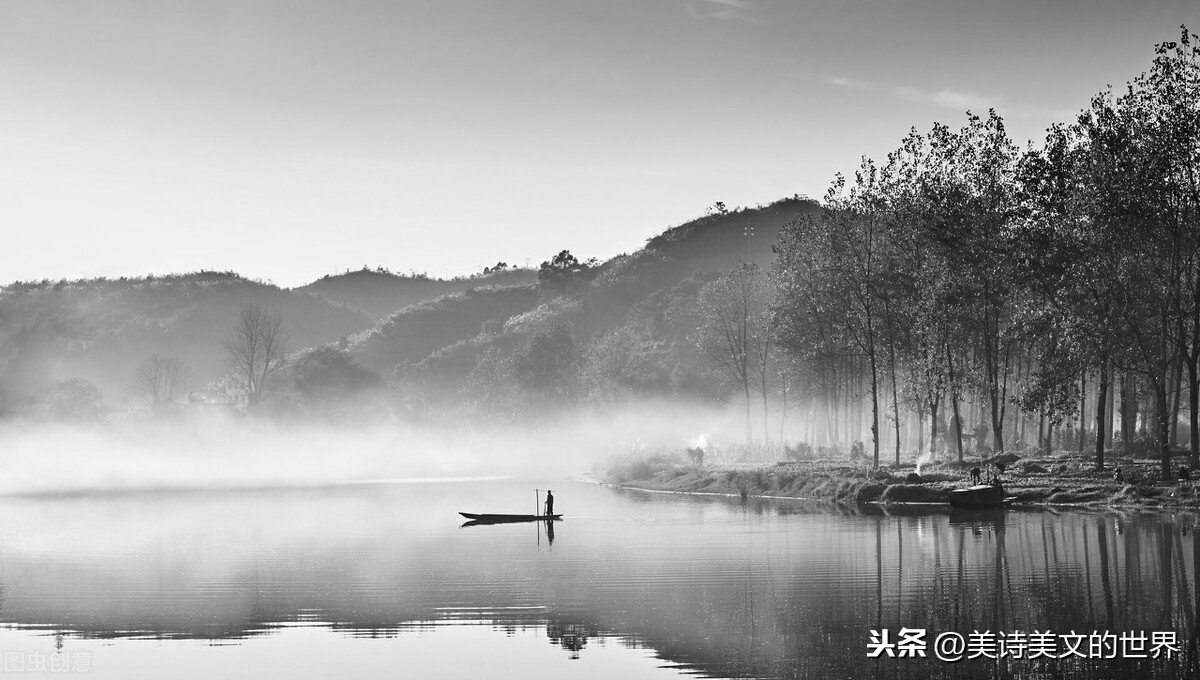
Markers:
(530, 339)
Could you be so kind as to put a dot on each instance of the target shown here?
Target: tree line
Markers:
(1034, 283)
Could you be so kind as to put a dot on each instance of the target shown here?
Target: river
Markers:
(380, 580)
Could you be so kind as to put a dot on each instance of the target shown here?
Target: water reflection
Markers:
(764, 589)
(548, 524)
(572, 636)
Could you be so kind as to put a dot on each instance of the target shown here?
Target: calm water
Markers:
(381, 581)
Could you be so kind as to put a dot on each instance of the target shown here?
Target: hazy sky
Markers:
(289, 139)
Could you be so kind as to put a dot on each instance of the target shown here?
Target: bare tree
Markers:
(735, 331)
(256, 348)
(161, 378)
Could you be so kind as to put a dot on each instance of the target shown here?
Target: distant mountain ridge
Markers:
(412, 327)
(379, 292)
(101, 329)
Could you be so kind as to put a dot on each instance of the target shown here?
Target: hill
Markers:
(641, 304)
(427, 335)
(101, 329)
(719, 240)
(415, 332)
(379, 292)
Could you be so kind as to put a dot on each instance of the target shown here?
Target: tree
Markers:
(76, 400)
(623, 364)
(162, 378)
(547, 366)
(564, 274)
(1141, 172)
(974, 187)
(1167, 99)
(326, 376)
(1074, 296)
(735, 328)
(257, 349)
(829, 268)
(491, 390)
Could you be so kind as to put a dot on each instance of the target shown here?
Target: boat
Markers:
(979, 497)
(504, 519)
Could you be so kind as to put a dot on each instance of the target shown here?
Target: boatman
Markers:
(549, 502)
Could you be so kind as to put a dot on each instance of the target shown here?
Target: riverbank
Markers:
(1056, 480)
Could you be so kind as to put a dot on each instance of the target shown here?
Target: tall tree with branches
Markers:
(735, 331)
(161, 378)
(257, 349)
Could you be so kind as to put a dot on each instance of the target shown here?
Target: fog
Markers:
(236, 451)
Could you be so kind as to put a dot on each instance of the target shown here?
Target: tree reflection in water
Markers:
(571, 636)
(768, 590)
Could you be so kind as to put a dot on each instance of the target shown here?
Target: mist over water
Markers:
(224, 451)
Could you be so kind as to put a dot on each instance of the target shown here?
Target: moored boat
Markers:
(980, 496)
(502, 519)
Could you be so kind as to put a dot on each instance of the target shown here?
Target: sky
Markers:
(289, 139)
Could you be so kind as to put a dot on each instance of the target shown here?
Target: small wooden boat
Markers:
(979, 497)
(504, 519)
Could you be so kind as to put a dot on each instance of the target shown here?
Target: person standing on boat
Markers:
(549, 502)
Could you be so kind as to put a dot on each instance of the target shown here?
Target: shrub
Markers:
(857, 451)
(641, 467)
(761, 478)
(801, 451)
(743, 486)
(913, 493)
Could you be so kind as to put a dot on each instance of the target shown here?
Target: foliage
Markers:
(541, 318)
(414, 333)
(381, 293)
(623, 364)
(564, 274)
(76, 400)
(547, 368)
(491, 388)
(326, 375)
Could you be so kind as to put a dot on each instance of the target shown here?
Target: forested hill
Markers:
(101, 329)
(630, 306)
(417, 331)
(379, 292)
(722, 238)
(403, 328)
